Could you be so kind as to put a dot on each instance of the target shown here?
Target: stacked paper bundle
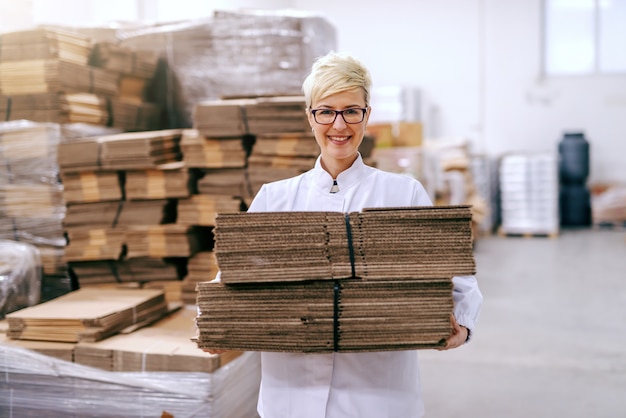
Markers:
(94, 244)
(171, 181)
(235, 54)
(86, 315)
(125, 151)
(201, 267)
(31, 197)
(236, 117)
(280, 155)
(324, 316)
(378, 244)
(162, 241)
(45, 43)
(326, 281)
(165, 346)
(223, 181)
(131, 116)
(43, 386)
(143, 270)
(91, 186)
(212, 152)
(54, 76)
(130, 109)
(201, 209)
(56, 107)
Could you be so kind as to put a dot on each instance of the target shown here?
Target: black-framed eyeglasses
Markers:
(352, 115)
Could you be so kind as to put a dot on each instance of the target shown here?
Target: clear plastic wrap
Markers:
(34, 385)
(20, 276)
(235, 53)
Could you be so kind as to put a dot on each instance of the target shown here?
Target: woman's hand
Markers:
(458, 337)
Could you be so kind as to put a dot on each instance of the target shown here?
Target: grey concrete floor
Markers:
(551, 338)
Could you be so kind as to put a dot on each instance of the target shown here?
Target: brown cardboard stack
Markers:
(236, 117)
(91, 186)
(121, 213)
(45, 43)
(163, 347)
(142, 270)
(231, 54)
(201, 267)
(212, 151)
(31, 197)
(162, 241)
(326, 281)
(86, 315)
(280, 155)
(169, 181)
(131, 109)
(201, 209)
(385, 244)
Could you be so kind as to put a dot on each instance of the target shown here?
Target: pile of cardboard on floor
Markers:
(380, 279)
(165, 346)
(37, 385)
(87, 315)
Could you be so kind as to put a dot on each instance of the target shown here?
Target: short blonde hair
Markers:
(335, 73)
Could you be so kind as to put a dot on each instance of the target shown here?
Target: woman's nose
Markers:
(339, 123)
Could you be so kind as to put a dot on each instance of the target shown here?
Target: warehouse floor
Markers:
(551, 338)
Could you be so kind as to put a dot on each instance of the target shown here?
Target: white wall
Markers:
(478, 63)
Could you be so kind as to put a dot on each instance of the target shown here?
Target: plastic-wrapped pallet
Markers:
(20, 276)
(529, 194)
(35, 385)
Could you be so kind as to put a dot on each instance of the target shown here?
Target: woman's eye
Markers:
(350, 112)
(326, 112)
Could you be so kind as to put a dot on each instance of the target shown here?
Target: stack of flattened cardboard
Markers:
(56, 107)
(45, 43)
(380, 279)
(87, 315)
(54, 76)
(277, 114)
(212, 152)
(224, 181)
(165, 346)
(201, 209)
(125, 151)
(136, 270)
(237, 117)
(222, 118)
(280, 155)
(386, 243)
(91, 186)
(94, 244)
(201, 267)
(130, 109)
(169, 181)
(162, 241)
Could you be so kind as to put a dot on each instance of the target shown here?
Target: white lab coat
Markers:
(337, 385)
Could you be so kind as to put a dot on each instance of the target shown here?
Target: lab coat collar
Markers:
(345, 179)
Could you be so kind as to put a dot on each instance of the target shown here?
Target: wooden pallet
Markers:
(528, 234)
(616, 225)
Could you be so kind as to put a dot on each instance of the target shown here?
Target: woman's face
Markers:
(339, 141)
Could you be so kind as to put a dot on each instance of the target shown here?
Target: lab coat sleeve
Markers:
(467, 300)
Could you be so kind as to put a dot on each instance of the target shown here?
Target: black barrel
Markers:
(575, 205)
(573, 158)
